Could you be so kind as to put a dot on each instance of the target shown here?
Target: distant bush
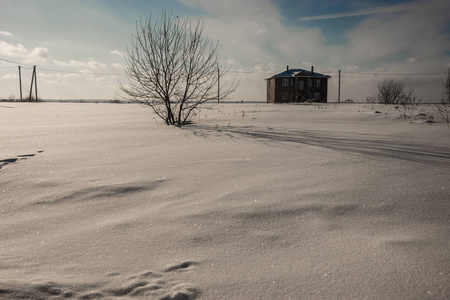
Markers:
(32, 99)
(443, 111)
(390, 91)
(443, 108)
(446, 88)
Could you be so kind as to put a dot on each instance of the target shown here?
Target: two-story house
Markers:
(297, 85)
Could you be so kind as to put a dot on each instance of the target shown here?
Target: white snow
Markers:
(253, 201)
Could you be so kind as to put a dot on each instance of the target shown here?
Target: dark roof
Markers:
(299, 73)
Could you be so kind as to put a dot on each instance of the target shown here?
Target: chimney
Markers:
(287, 68)
(312, 70)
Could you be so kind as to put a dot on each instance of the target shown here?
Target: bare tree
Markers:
(443, 108)
(446, 88)
(173, 69)
(390, 90)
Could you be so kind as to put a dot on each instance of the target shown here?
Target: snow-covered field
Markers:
(253, 201)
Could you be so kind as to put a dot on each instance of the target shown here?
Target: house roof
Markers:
(299, 73)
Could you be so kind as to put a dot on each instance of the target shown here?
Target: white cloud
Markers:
(258, 41)
(39, 54)
(382, 36)
(60, 77)
(100, 80)
(351, 68)
(361, 12)
(23, 54)
(10, 76)
(80, 85)
(6, 33)
(91, 63)
(51, 82)
(70, 63)
(250, 31)
(118, 66)
(230, 62)
(253, 34)
(117, 52)
(256, 34)
(11, 50)
(258, 68)
(86, 71)
(236, 9)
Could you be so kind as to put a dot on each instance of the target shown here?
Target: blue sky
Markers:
(259, 37)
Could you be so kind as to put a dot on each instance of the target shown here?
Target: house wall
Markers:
(321, 91)
(296, 89)
(271, 90)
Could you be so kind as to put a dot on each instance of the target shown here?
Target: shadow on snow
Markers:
(348, 143)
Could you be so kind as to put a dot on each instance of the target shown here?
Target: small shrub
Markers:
(390, 90)
(407, 104)
(443, 111)
(446, 88)
(443, 108)
(372, 100)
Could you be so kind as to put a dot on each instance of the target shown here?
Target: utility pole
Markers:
(33, 76)
(20, 84)
(218, 84)
(218, 78)
(35, 83)
(339, 88)
(31, 88)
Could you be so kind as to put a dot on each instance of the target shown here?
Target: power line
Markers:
(59, 71)
(83, 73)
(123, 74)
(392, 74)
(358, 73)
(250, 72)
(14, 62)
(344, 72)
(230, 71)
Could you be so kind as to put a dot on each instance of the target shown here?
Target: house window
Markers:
(292, 82)
(317, 83)
(301, 85)
(285, 82)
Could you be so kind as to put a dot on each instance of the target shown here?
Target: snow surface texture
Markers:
(253, 201)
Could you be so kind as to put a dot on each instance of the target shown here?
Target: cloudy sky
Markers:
(79, 46)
